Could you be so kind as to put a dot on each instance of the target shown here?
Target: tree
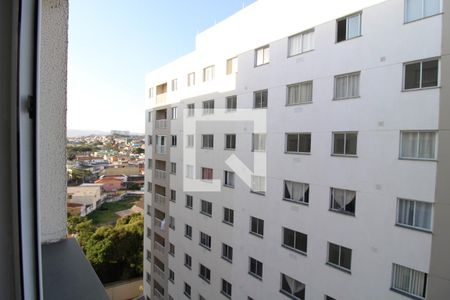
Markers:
(138, 151)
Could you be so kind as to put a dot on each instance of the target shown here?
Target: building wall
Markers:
(51, 131)
(377, 175)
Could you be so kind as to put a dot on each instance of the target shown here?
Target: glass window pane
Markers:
(409, 145)
(339, 141)
(288, 237)
(430, 73)
(351, 143)
(427, 145)
(432, 7)
(340, 89)
(341, 30)
(293, 94)
(412, 76)
(413, 10)
(305, 94)
(423, 215)
(338, 199)
(292, 143)
(346, 258)
(353, 85)
(354, 26)
(350, 201)
(308, 41)
(405, 214)
(333, 254)
(301, 241)
(305, 143)
(295, 44)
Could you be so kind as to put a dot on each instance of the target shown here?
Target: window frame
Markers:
(226, 136)
(299, 85)
(191, 200)
(259, 225)
(230, 63)
(257, 192)
(261, 93)
(339, 266)
(188, 231)
(205, 169)
(265, 55)
(208, 107)
(173, 168)
(347, 97)
(422, 17)
(407, 293)
(227, 251)
(342, 211)
(209, 140)
(187, 291)
(303, 188)
(174, 112)
(228, 216)
(232, 98)
(190, 109)
(397, 222)
(258, 265)
(209, 71)
(311, 30)
(286, 293)
(191, 79)
(188, 261)
(225, 285)
(174, 84)
(436, 145)
(208, 211)
(205, 240)
(259, 135)
(360, 13)
(207, 276)
(231, 178)
(299, 134)
(421, 61)
(345, 143)
(294, 248)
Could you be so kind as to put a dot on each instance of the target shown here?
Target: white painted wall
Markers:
(377, 174)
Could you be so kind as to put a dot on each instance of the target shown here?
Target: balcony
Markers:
(160, 199)
(157, 222)
(161, 149)
(161, 124)
(158, 271)
(161, 99)
(158, 294)
(158, 247)
(160, 174)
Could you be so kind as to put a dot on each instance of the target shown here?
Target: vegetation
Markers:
(115, 252)
(73, 150)
(106, 214)
(138, 151)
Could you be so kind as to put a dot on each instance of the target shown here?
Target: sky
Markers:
(114, 43)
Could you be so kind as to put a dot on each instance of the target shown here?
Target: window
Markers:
(189, 201)
(173, 195)
(149, 163)
(414, 214)
(421, 74)
(258, 142)
(228, 216)
(149, 233)
(174, 113)
(149, 187)
(149, 210)
(262, 56)
(204, 273)
(295, 240)
(188, 231)
(205, 240)
(191, 110)
(207, 174)
(149, 256)
(260, 99)
(227, 252)
(190, 141)
(187, 290)
(299, 93)
(208, 73)
(150, 92)
(231, 103)
(188, 261)
(346, 86)
(149, 116)
(345, 143)
(228, 178)
(174, 85)
(257, 226)
(200, 297)
(296, 191)
(409, 281)
(207, 141)
(329, 298)
(348, 27)
(149, 139)
(171, 276)
(232, 65)
(258, 184)
(173, 168)
(171, 249)
(292, 288)
(189, 171)
(343, 201)
(230, 141)
(339, 256)
(298, 142)
(208, 107)
(206, 207)
(226, 288)
(419, 9)
(174, 140)
(191, 79)
(148, 277)
(301, 42)
(418, 145)
(255, 267)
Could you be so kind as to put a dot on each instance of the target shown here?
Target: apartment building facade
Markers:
(341, 193)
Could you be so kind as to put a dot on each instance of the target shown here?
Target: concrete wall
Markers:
(439, 275)
(52, 131)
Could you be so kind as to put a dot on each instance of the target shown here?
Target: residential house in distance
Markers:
(111, 184)
(88, 196)
(353, 202)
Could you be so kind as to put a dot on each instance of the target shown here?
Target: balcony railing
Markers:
(158, 271)
(159, 247)
(161, 99)
(161, 149)
(160, 174)
(161, 124)
(158, 294)
(160, 199)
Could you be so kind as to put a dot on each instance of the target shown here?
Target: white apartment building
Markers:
(342, 193)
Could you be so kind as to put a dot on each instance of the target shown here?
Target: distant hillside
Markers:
(78, 133)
